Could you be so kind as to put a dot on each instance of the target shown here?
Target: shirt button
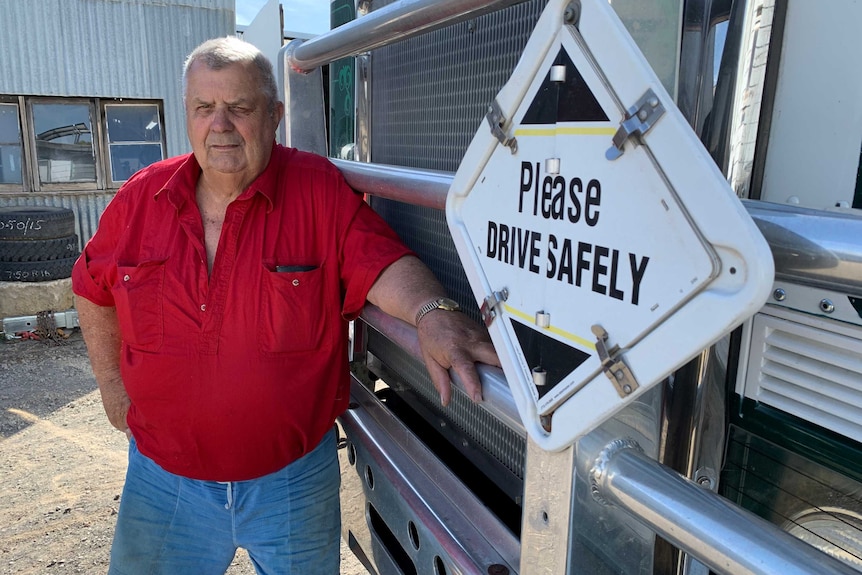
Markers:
(295, 283)
(203, 307)
(126, 278)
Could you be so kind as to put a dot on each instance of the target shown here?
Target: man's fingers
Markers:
(470, 378)
(484, 352)
(440, 379)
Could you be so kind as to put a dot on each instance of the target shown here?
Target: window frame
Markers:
(25, 185)
(103, 104)
(101, 147)
(95, 130)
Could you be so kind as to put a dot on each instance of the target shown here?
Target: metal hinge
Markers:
(491, 303)
(613, 365)
(639, 119)
(497, 120)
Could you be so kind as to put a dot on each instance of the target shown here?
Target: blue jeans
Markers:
(288, 521)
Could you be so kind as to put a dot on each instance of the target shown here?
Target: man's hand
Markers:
(451, 340)
(448, 340)
(116, 402)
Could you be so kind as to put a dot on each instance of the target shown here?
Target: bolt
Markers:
(572, 13)
(779, 295)
(826, 306)
(627, 389)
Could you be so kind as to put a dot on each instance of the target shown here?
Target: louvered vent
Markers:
(810, 368)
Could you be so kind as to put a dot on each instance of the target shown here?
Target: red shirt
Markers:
(236, 374)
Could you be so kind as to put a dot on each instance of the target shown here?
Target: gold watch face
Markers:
(448, 304)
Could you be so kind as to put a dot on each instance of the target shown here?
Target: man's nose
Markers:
(221, 120)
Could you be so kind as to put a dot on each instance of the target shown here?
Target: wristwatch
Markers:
(443, 303)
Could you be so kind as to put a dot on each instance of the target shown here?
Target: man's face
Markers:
(229, 123)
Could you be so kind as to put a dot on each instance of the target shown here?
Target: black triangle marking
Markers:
(569, 101)
(556, 358)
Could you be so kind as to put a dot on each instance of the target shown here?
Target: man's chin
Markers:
(226, 167)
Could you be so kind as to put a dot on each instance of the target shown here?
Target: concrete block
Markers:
(29, 298)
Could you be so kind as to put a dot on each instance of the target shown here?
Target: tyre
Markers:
(41, 271)
(36, 223)
(38, 250)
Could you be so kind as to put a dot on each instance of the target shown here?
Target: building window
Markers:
(11, 146)
(76, 144)
(134, 138)
(64, 143)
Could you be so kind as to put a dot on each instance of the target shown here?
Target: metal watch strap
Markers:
(443, 303)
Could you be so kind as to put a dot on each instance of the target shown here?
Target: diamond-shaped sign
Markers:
(615, 247)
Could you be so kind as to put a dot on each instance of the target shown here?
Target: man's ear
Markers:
(278, 113)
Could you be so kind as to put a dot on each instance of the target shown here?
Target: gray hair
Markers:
(220, 53)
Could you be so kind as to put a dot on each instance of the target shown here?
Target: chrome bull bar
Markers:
(724, 537)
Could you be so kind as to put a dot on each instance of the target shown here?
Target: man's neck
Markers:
(220, 188)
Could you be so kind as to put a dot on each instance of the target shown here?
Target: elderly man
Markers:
(214, 301)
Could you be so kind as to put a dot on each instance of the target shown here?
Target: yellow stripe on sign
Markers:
(562, 333)
(567, 131)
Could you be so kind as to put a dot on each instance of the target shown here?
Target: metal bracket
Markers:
(639, 119)
(613, 365)
(496, 120)
(489, 306)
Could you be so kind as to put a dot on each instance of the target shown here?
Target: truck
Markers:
(654, 208)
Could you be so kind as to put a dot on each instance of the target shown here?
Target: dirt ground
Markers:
(62, 465)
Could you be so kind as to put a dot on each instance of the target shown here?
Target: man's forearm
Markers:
(102, 335)
(447, 340)
(404, 287)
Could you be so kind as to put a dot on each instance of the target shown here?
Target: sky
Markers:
(299, 15)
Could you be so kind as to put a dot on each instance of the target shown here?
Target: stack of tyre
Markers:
(37, 243)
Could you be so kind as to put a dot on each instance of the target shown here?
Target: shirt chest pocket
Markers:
(139, 296)
(292, 312)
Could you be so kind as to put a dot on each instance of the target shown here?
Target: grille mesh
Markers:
(497, 439)
(429, 97)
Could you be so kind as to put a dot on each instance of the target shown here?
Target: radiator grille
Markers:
(808, 370)
(507, 446)
(429, 96)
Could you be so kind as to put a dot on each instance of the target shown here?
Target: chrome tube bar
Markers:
(726, 538)
(398, 21)
(409, 185)
(496, 397)
(813, 247)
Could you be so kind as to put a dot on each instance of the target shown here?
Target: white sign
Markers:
(641, 242)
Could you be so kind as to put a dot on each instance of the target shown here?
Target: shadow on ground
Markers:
(37, 379)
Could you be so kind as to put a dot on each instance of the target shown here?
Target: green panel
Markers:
(797, 435)
(804, 497)
(341, 86)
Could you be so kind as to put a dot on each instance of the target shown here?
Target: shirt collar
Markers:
(181, 186)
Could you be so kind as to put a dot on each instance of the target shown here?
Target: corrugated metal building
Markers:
(90, 91)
